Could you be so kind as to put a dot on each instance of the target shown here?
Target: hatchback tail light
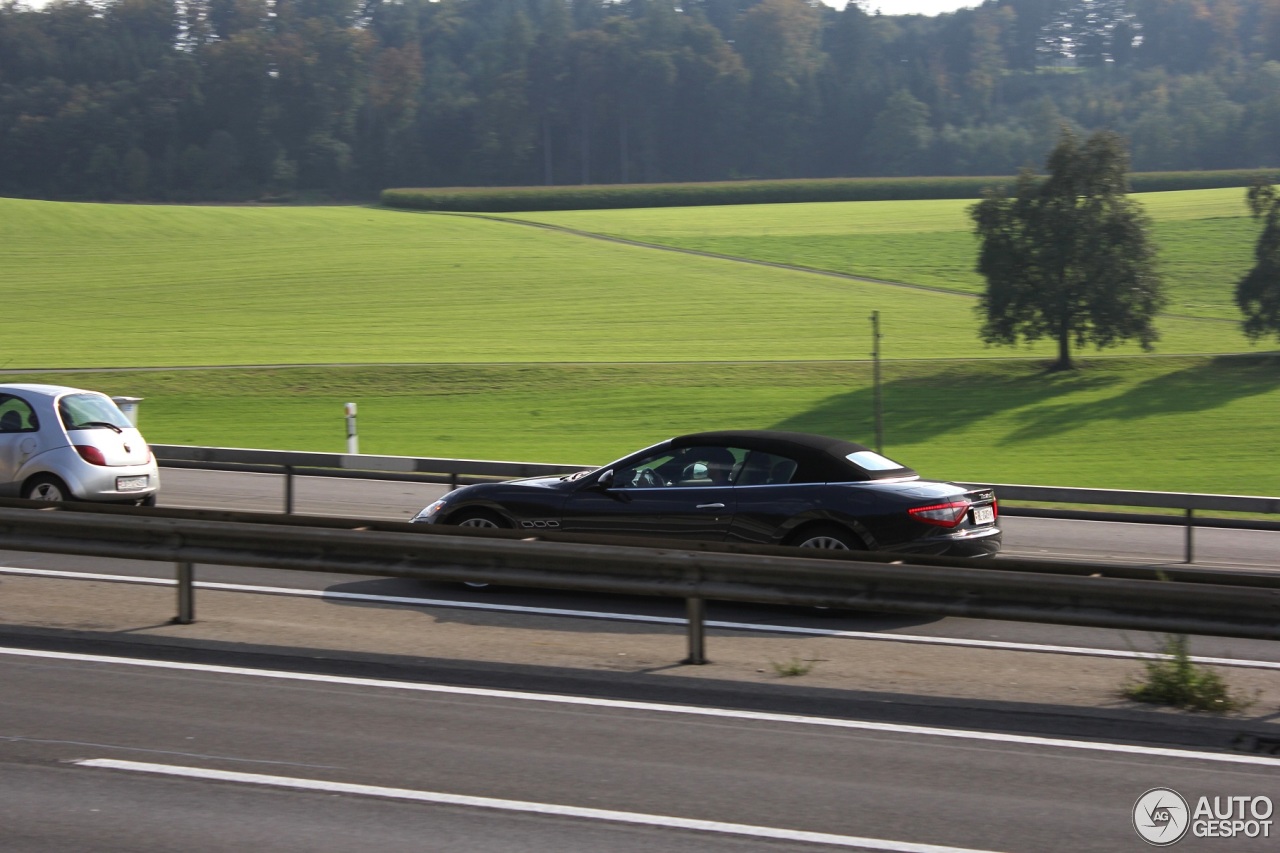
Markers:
(90, 454)
(943, 515)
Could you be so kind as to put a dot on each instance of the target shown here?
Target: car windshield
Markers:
(91, 411)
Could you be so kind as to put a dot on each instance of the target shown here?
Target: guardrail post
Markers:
(186, 594)
(288, 490)
(696, 611)
(1191, 526)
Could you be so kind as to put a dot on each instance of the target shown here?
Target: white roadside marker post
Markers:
(353, 440)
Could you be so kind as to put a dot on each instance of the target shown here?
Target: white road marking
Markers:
(1130, 559)
(524, 806)
(659, 620)
(659, 708)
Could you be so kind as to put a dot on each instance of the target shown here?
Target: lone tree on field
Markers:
(1069, 257)
(1258, 293)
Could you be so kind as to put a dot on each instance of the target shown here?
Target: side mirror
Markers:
(605, 480)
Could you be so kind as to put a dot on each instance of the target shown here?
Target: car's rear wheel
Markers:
(484, 519)
(46, 487)
(829, 538)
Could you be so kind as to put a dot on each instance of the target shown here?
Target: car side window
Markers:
(709, 466)
(646, 474)
(765, 469)
(16, 415)
(688, 467)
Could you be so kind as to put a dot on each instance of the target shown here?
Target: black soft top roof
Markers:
(820, 458)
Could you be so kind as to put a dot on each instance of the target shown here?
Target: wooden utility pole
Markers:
(875, 380)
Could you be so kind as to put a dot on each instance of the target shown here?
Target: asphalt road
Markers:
(111, 746)
(1024, 537)
(105, 755)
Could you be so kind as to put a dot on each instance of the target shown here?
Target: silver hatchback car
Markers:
(61, 444)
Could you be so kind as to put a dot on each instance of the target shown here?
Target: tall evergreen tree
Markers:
(1069, 257)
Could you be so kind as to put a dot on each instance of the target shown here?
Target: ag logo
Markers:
(1161, 816)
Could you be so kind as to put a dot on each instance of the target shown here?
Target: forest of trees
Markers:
(235, 99)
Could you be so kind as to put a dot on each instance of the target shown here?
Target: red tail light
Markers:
(92, 455)
(943, 515)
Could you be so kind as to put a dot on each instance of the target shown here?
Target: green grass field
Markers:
(121, 285)
(460, 336)
(1193, 424)
(1206, 238)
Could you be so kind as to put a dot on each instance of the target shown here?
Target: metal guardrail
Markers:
(295, 463)
(1155, 500)
(457, 472)
(454, 472)
(1186, 600)
(1189, 503)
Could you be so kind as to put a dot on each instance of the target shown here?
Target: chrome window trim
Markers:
(771, 485)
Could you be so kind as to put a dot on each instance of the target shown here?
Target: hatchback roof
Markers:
(40, 388)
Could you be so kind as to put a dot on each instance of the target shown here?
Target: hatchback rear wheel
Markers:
(46, 487)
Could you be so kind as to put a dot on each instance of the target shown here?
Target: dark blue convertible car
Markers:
(765, 487)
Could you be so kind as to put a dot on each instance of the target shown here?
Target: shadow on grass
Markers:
(1194, 390)
(925, 407)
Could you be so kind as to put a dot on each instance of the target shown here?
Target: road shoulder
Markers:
(982, 689)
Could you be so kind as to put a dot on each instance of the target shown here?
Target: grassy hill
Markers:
(122, 285)
(1206, 240)
(462, 336)
(1196, 424)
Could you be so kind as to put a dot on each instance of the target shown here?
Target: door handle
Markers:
(710, 506)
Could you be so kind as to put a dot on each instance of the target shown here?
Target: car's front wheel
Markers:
(46, 487)
(480, 518)
(484, 519)
(829, 538)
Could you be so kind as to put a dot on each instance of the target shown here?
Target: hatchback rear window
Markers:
(91, 411)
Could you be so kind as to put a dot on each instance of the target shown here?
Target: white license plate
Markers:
(984, 515)
(132, 484)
